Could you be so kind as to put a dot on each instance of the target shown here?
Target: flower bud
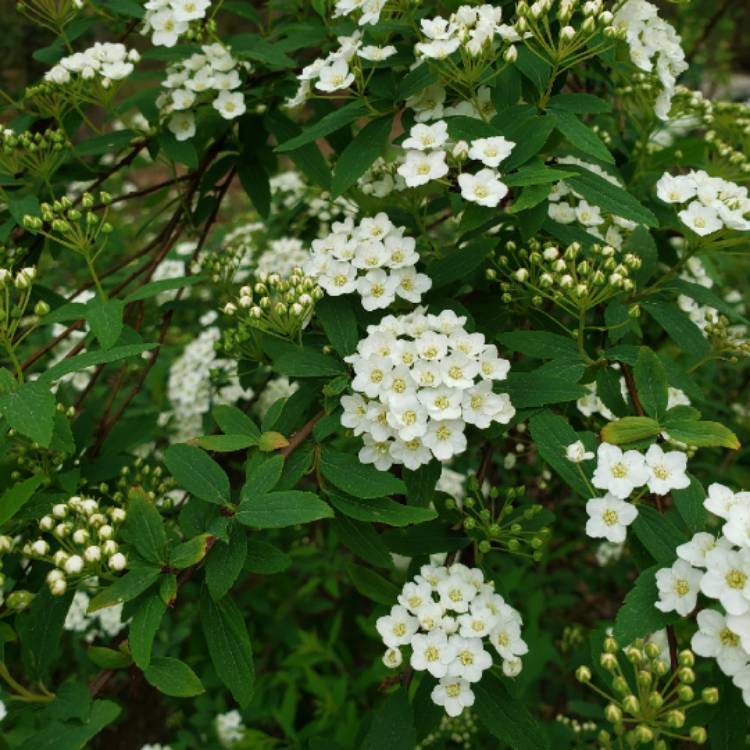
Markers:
(698, 735)
(583, 674)
(19, 600)
(118, 561)
(92, 554)
(710, 695)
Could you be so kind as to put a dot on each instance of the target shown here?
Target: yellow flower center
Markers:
(453, 690)
(609, 517)
(681, 587)
(431, 653)
(619, 471)
(736, 579)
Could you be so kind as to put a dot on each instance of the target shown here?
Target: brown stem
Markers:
(301, 435)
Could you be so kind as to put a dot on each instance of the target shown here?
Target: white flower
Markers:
(491, 151)
(398, 627)
(334, 77)
(377, 289)
(576, 453)
(182, 125)
(189, 10)
(727, 579)
(737, 527)
(432, 652)
(393, 658)
(376, 452)
(453, 695)
(742, 681)
(698, 547)
(376, 54)
(166, 28)
(716, 639)
(456, 593)
(678, 588)
(703, 220)
(588, 215)
(421, 167)
(427, 137)
(609, 516)
(678, 189)
(229, 104)
(617, 472)
(471, 659)
(445, 438)
(415, 595)
(478, 622)
(506, 636)
(667, 470)
(483, 188)
(721, 500)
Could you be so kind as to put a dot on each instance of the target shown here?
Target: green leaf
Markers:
(678, 325)
(108, 658)
(580, 104)
(553, 383)
(266, 559)
(255, 47)
(331, 122)
(143, 629)
(233, 421)
(345, 471)
(15, 497)
(132, 584)
(392, 726)
(272, 441)
(277, 510)
(420, 484)
(552, 435)
(190, 552)
(225, 562)
(582, 136)
(536, 173)
(198, 473)
(657, 534)
(533, 68)
(363, 541)
(689, 504)
(40, 631)
(339, 322)
(182, 152)
(728, 729)
(360, 154)
(651, 383)
(308, 364)
(144, 529)
(529, 197)
(372, 584)
(540, 344)
(702, 434)
(31, 410)
(155, 288)
(630, 430)
(91, 359)
(225, 443)
(638, 617)
(459, 262)
(529, 134)
(229, 646)
(254, 180)
(506, 717)
(262, 476)
(105, 319)
(381, 510)
(611, 198)
(173, 677)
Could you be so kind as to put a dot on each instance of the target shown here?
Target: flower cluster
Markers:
(444, 615)
(230, 729)
(280, 306)
(199, 379)
(566, 206)
(655, 47)
(330, 73)
(425, 160)
(569, 277)
(212, 74)
(168, 20)
(83, 542)
(648, 702)
(104, 61)
(370, 10)
(719, 568)
(373, 258)
(472, 29)
(619, 473)
(419, 380)
(713, 203)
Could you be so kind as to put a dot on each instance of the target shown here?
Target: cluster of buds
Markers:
(149, 479)
(500, 521)
(80, 229)
(575, 726)
(39, 154)
(50, 13)
(79, 539)
(727, 339)
(458, 732)
(276, 305)
(571, 278)
(649, 702)
(21, 279)
(579, 22)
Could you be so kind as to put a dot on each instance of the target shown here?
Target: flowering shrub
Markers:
(373, 375)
